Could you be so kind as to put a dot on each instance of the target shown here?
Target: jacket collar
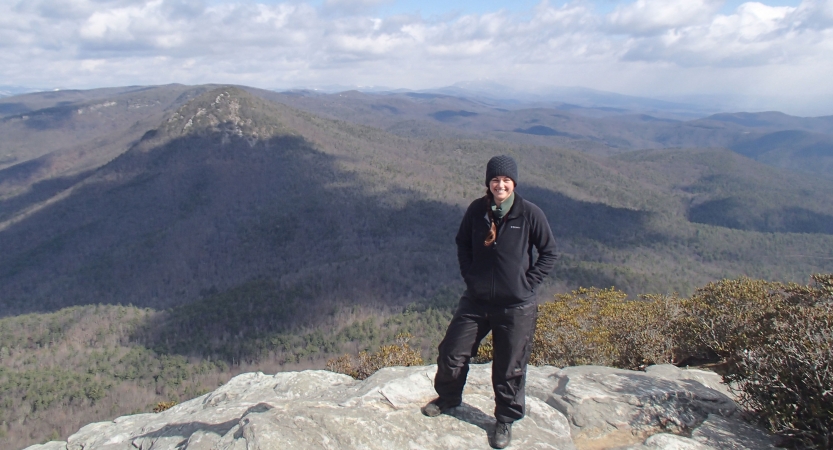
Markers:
(517, 208)
(516, 211)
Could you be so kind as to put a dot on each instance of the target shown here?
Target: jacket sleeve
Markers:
(463, 239)
(543, 240)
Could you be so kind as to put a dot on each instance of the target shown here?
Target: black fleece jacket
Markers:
(504, 274)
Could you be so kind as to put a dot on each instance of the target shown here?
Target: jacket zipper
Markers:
(494, 253)
(494, 258)
(494, 261)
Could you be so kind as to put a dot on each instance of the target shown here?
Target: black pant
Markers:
(512, 330)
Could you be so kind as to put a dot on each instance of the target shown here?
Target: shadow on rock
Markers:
(191, 431)
(470, 414)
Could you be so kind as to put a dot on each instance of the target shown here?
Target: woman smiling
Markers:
(494, 248)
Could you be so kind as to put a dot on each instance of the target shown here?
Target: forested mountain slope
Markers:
(232, 188)
(55, 139)
(200, 205)
(723, 188)
(247, 233)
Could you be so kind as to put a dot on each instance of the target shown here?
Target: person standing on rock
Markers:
(494, 248)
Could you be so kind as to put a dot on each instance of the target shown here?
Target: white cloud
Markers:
(659, 47)
(754, 35)
(650, 16)
(92, 64)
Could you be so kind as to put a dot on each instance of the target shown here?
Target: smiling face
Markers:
(501, 187)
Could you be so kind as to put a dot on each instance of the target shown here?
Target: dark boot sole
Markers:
(433, 409)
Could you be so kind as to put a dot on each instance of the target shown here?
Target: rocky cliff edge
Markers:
(585, 407)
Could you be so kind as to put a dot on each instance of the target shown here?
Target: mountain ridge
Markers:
(597, 131)
(217, 164)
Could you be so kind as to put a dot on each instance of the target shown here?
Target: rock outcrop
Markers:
(586, 407)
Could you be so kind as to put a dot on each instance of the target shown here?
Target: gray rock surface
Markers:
(609, 407)
(723, 434)
(583, 407)
(667, 441)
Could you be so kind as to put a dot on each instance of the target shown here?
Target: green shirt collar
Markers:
(500, 211)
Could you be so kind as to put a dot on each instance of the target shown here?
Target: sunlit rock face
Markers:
(585, 407)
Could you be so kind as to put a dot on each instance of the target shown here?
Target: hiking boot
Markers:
(502, 435)
(436, 407)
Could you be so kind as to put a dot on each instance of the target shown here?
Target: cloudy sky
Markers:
(774, 54)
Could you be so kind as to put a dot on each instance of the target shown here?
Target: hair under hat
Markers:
(502, 165)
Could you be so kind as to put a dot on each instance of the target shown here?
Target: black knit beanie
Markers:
(501, 166)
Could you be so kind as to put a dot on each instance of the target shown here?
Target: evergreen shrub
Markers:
(164, 406)
(725, 318)
(604, 327)
(366, 364)
(786, 377)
